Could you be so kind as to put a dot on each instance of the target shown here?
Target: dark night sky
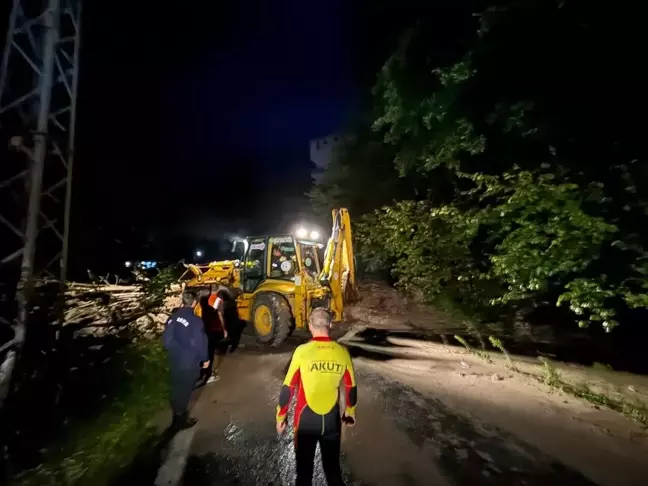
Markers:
(195, 120)
(197, 112)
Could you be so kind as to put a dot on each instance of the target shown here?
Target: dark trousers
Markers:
(215, 345)
(182, 382)
(305, 445)
(235, 332)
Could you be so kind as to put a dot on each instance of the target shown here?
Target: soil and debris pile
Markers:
(383, 306)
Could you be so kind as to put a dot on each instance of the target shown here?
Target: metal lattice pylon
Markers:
(38, 90)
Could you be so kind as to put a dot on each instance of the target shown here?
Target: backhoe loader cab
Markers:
(281, 279)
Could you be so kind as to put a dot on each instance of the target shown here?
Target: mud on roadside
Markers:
(385, 316)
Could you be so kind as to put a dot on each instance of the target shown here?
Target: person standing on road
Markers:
(225, 305)
(215, 330)
(185, 340)
(317, 368)
(218, 311)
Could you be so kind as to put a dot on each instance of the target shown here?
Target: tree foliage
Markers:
(156, 288)
(532, 168)
(362, 177)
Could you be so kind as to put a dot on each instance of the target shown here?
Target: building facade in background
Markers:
(321, 154)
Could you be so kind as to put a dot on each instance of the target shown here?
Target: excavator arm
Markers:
(338, 269)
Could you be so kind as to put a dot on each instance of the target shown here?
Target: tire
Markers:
(274, 321)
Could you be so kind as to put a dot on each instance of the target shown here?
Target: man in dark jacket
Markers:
(186, 342)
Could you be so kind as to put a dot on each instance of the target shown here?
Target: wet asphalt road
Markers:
(402, 437)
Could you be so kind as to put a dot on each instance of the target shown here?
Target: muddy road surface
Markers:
(421, 421)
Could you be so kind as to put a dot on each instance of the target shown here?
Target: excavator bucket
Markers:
(191, 270)
(212, 273)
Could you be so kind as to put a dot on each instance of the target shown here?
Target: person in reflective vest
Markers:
(211, 310)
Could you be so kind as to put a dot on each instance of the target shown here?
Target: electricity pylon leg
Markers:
(38, 89)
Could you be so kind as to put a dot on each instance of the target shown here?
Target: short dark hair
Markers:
(188, 297)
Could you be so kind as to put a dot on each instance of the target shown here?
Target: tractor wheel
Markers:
(271, 318)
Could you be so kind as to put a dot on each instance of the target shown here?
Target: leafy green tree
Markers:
(361, 176)
(427, 247)
(543, 183)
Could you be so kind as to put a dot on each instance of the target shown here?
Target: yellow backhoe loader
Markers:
(280, 279)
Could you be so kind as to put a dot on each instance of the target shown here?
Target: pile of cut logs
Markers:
(100, 309)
